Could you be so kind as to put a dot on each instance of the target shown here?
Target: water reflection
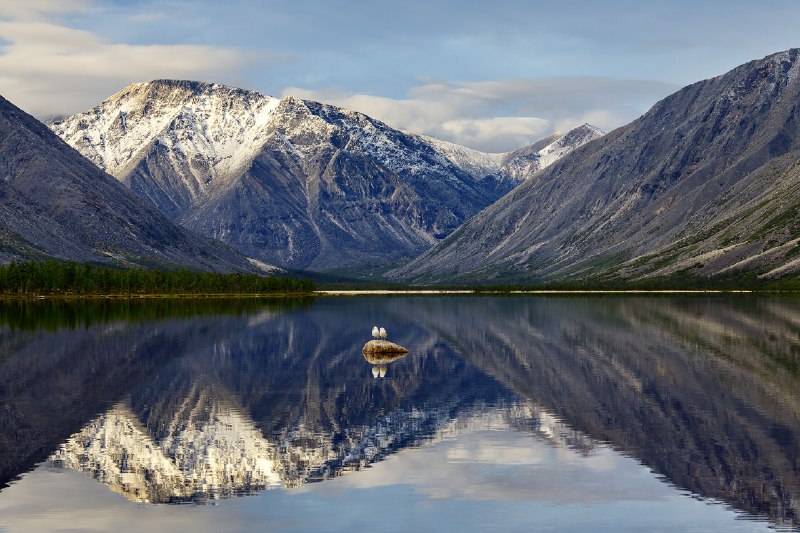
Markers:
(701, 390)
(380, 361)
(221, 456)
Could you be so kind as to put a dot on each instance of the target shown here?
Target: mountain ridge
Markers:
(287, 181)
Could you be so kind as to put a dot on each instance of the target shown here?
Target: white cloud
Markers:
(496, 134)
(50, 69)
(497, 116)
(38, 9)
(507, 465)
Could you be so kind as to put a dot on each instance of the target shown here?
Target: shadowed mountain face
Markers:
(706, 182)
(701, 390)
(55, 203)
(289, 181)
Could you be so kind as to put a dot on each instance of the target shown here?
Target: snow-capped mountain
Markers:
(287, 181)
(204, 133)
(520, 164)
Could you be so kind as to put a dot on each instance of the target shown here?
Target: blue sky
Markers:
(491, 75)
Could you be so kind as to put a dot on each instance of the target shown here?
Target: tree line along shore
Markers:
(65, 278)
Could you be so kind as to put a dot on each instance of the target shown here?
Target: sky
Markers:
(489, 75)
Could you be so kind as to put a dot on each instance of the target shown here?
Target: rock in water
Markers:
(380, 346)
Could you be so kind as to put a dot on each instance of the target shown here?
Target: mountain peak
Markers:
(197, 87)
(222, 123)
(528, 160)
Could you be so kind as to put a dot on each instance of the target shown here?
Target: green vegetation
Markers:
(682, 280)
(58, 278)
(783, 219)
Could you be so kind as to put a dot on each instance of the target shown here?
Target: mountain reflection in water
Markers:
(177, 406)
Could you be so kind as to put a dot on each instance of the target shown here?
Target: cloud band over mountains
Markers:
(497, 116)
(492, 77)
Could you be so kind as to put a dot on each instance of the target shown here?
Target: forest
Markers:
(55, 277)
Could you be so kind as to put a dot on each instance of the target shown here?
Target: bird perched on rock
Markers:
(382, 333)
(375, 332)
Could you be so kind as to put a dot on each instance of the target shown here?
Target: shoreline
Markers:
(445, 292)
(383, 292)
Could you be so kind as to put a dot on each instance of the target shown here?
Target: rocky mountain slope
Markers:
(707, 182)
(287, 181)
(55, 203)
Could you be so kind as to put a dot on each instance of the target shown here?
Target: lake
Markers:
(519, 413)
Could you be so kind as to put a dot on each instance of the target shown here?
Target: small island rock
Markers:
(380, 346)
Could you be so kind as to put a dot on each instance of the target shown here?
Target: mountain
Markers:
(287, 181)
(55, 203)
(707, 182)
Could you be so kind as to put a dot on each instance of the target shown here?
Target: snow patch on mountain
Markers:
(266, 268)
(477, 164)
(566, 143)
(207, 130)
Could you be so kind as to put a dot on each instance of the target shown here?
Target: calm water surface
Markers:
(508, 414)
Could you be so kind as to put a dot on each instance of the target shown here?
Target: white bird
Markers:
(375, 332)
(382, 333)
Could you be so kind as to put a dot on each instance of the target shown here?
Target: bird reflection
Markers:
(380, 362)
